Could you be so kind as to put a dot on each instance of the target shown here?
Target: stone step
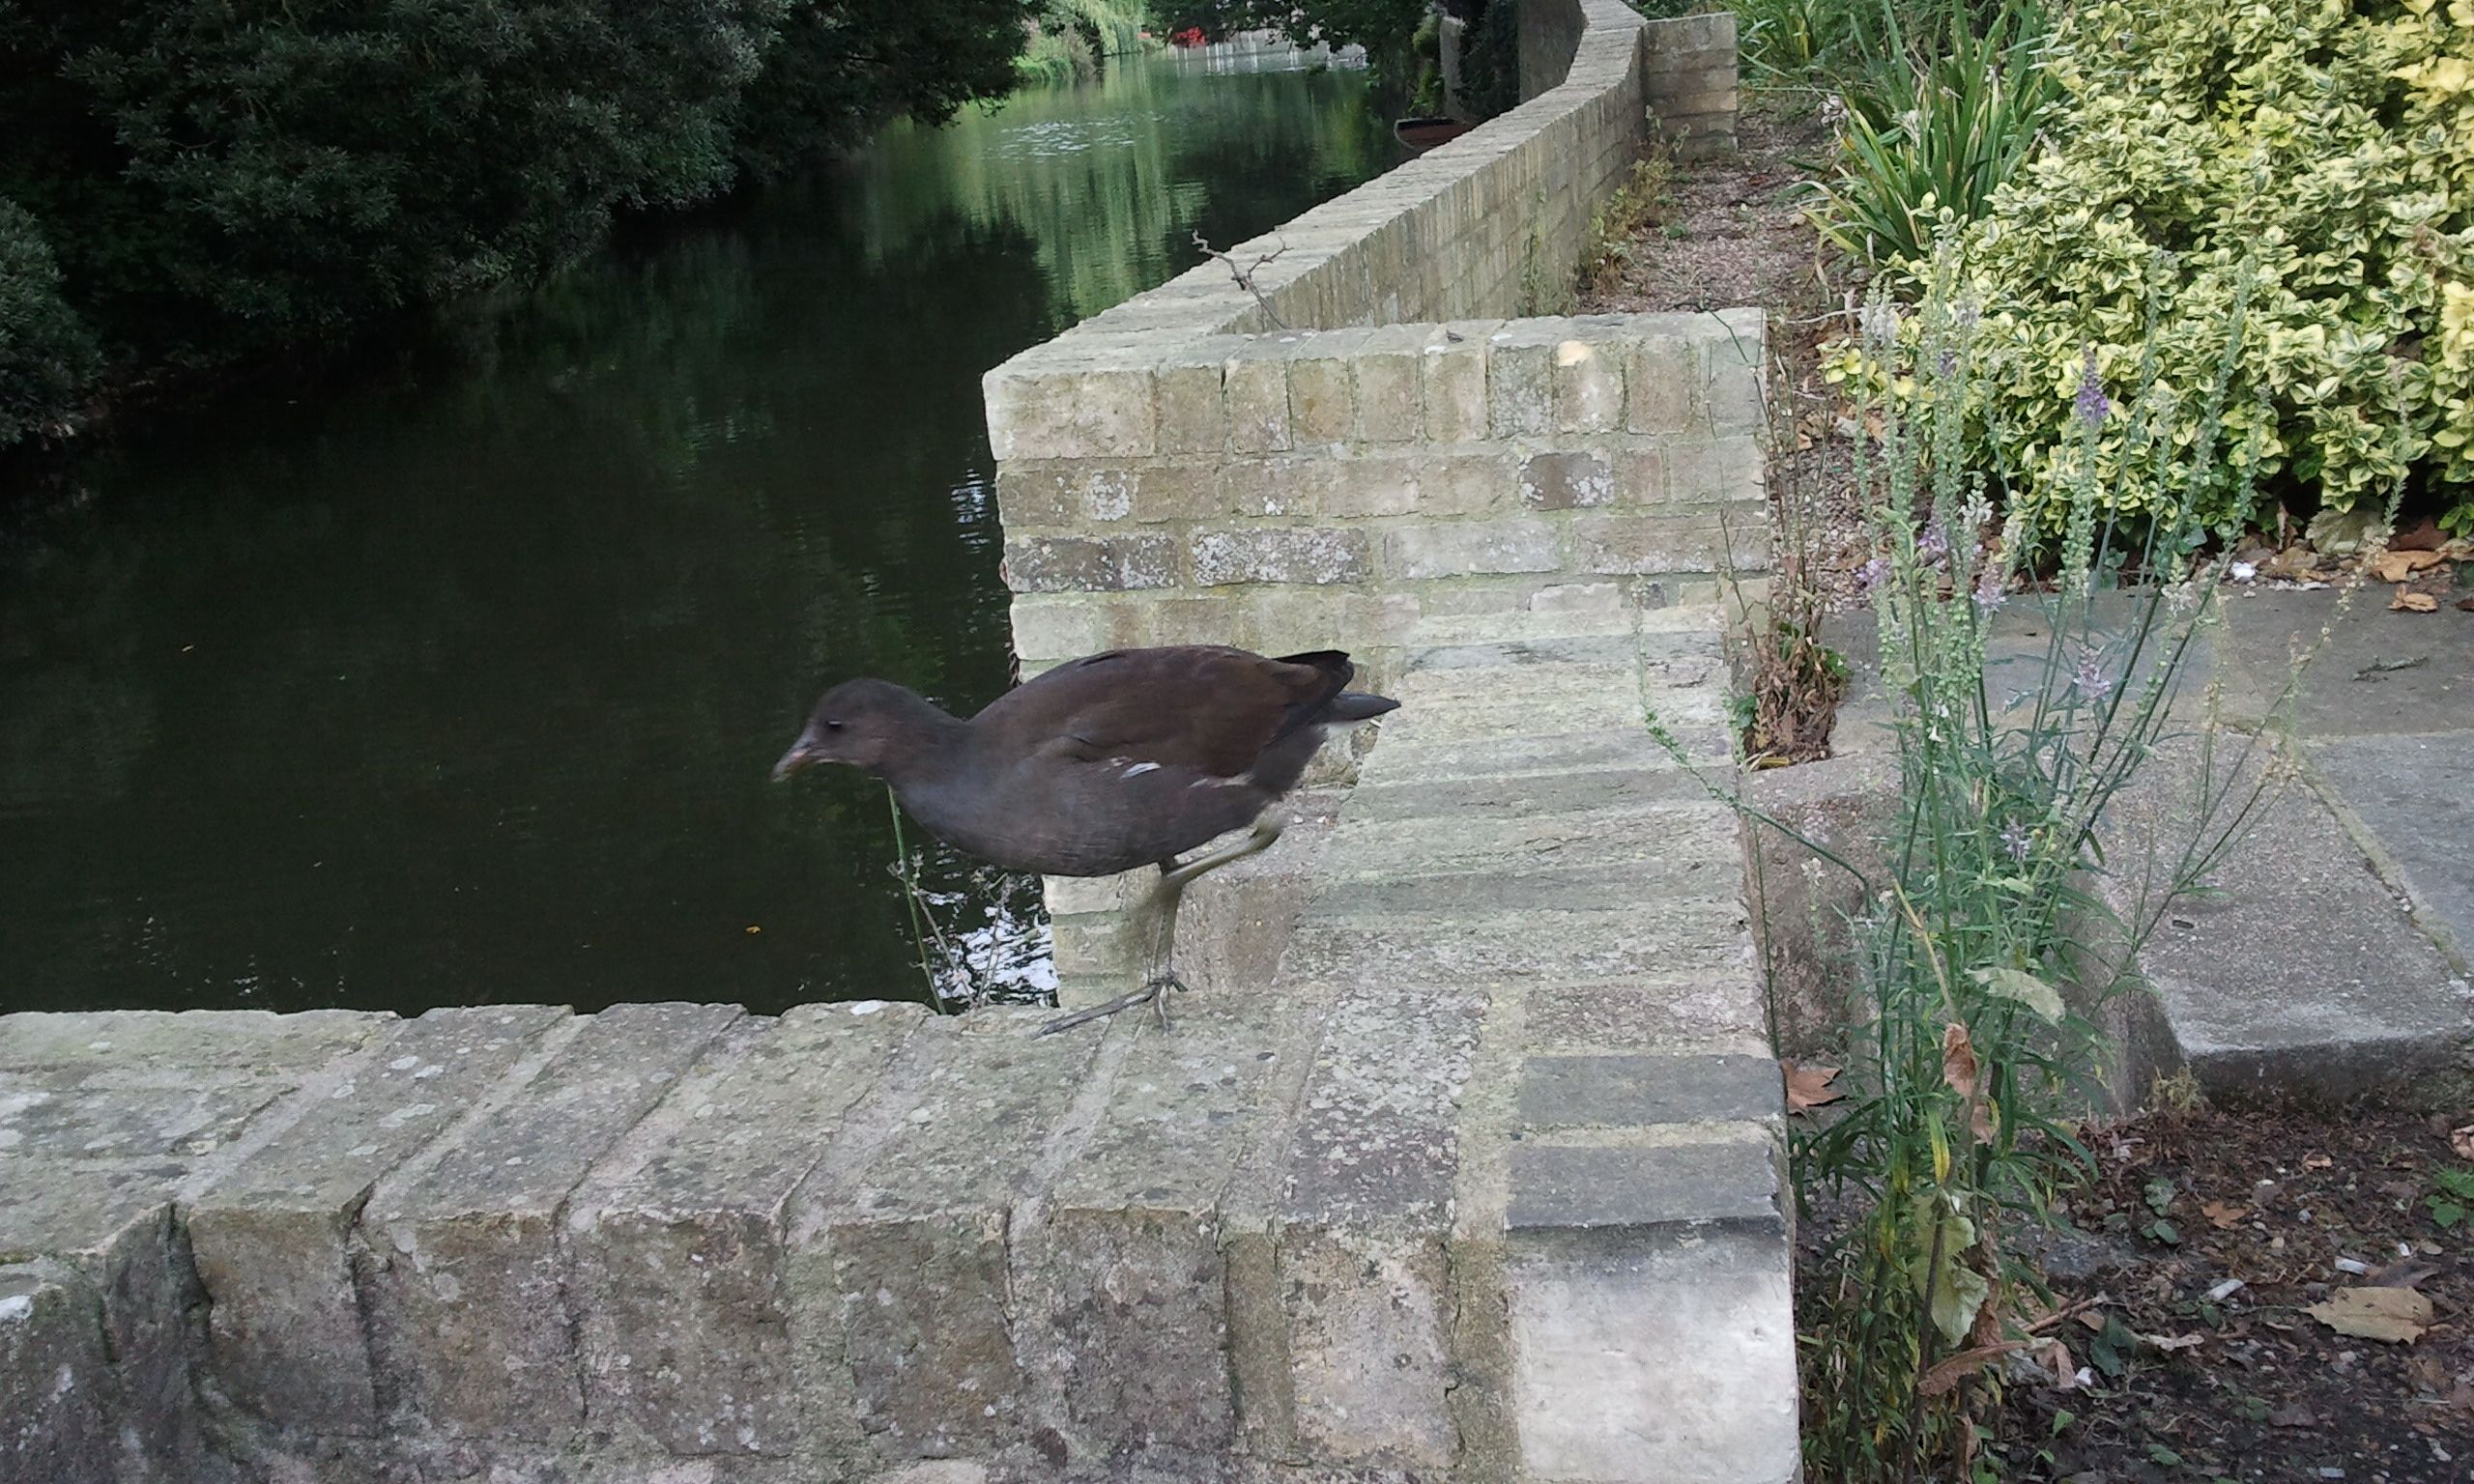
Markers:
(2303, 970)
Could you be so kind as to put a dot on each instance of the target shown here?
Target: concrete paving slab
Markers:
(2380, 672)
(2414, 793)
(2302, 972)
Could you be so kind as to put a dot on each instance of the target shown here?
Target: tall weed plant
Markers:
(1979, 992)
(1932, 133)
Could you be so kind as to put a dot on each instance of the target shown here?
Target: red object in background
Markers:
(1191, 36)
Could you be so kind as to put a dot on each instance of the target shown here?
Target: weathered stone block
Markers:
(1364, 1206)
(272, 1240)
(1659, 384)
(1615, 1091)
(1461, 548)
(1726, 470)
(1589, 385)
(1135, 1302)
(466, 1295)
(1731, 1181)
(1193, 414)
(1183, 490)
(679, 1236)
(1256, 381)
(1279, 553)
(1322, 401)
(1453, 377)
(1060, 626)
(1688, 1339)
(1084, 564)
(1369, 1315)
(1391, 409)
(1067, 491)
(56, 1393)
(1521, 385)
(1639, 475)
(1048, 410)
(1566, 481)
(1666, 543)
(900, 1263)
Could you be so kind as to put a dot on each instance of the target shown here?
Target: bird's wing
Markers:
(1202, 708)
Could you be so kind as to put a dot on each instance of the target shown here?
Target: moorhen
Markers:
(1122, 759)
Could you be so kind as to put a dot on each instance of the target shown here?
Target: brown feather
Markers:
(1203, 707)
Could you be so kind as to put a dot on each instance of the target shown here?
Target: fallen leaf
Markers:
(2465, 605)
(2420, 536)
(2293, 1414)
(1967, 1363)
(2316, 1161)
(2065, 1374)
(1809, 1087)
(2094, 1321)
(2396, 566)
(2462, 1140)
(2169, 1342)
(2412, 602)
(2397, 1315)
(2224, 1215)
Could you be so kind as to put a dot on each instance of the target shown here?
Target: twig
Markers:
(1244, 276)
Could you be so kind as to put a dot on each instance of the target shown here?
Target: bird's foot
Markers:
(1154, 993)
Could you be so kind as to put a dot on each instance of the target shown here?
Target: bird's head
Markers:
(864, 723)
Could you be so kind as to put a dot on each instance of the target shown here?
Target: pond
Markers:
(457, 681)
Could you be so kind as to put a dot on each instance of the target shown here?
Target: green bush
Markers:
(47, 355)
(2315, 156)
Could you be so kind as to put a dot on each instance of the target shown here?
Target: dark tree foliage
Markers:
(217, 176)
(1490, 59)
(845, 67)
(46, 354)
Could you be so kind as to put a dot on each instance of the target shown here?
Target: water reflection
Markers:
(460, 682)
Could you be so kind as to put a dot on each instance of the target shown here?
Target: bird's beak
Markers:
(801, 753)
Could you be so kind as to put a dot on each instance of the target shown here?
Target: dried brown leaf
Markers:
(1967, 1363)
(2224, 1215)
(2066, 1371)
(2293, 1414)
(2396, 566)
(2462, 1140)
(2413, 603)
(1809, 1087)
(1958, 1060)
(2397, 1315)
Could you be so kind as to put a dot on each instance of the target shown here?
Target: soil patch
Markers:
(2195, 1260)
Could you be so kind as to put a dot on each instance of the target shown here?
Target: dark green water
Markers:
(458, 680)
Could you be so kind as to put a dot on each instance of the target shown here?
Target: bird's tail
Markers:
(1359, 706)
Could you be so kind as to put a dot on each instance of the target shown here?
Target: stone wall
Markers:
(1481, 1185)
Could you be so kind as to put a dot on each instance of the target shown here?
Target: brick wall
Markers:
(1354, 487)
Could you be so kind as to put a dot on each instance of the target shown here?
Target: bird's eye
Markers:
(833, 725)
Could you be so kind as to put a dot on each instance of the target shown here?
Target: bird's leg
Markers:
(1166, 897)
